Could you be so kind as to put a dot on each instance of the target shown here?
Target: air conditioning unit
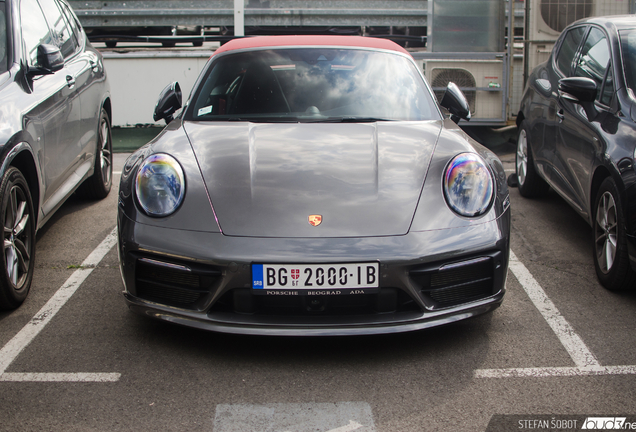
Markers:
(548, 18)
(480, 80)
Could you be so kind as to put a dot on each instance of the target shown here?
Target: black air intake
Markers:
(172, 284)
(456, 283)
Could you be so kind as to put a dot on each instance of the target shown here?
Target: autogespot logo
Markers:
(608, 423)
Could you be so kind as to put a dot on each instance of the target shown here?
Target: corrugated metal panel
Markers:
(93, 13)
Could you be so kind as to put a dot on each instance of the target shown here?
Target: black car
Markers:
(577, 134)
(54, 128)
(311, 186)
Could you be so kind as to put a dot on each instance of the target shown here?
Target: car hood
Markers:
(265, 180)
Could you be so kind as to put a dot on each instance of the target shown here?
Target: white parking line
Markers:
(14, 347)
(580, 353)
(352, 426)
(59, 377)
(586, 363)
(554, 372)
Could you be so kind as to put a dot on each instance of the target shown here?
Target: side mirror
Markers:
(582, 91)
(50, 60)
(169, 102)
(455, 102)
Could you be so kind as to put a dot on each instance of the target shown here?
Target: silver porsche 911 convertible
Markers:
(312, 186)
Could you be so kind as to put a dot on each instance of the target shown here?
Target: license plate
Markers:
(315, 279)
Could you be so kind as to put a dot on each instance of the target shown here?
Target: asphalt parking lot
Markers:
(73, 358)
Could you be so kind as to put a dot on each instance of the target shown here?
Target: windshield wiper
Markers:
(347, 119)
(320, 119)
(262, 119)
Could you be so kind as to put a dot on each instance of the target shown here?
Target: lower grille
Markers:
(167, 294)
(172, 284)
(456, 283)
(458, 294)
(386, 301)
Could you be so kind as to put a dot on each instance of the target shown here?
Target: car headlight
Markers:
(468, 185)
(160, 185)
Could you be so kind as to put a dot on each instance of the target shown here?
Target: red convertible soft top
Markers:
(339, 41)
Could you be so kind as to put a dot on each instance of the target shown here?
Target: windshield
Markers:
(628, 48)
(3, 39)
(313, 85)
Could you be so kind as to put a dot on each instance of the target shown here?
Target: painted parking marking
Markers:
(586, 363)
(59, 377)
(20, 341)
(294, 417)
(352, 426)
(574, 345)
(554, 372)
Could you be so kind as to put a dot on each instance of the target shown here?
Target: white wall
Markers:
(137, 77)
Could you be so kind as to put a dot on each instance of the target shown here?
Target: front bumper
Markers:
(203, 280)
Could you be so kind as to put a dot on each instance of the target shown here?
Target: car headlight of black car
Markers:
(468, 185)
(160, 185)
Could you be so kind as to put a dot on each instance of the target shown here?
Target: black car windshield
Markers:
(628, 48)
(3, 39)
(312, 85)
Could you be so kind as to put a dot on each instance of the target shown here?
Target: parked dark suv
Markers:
(54, 128)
